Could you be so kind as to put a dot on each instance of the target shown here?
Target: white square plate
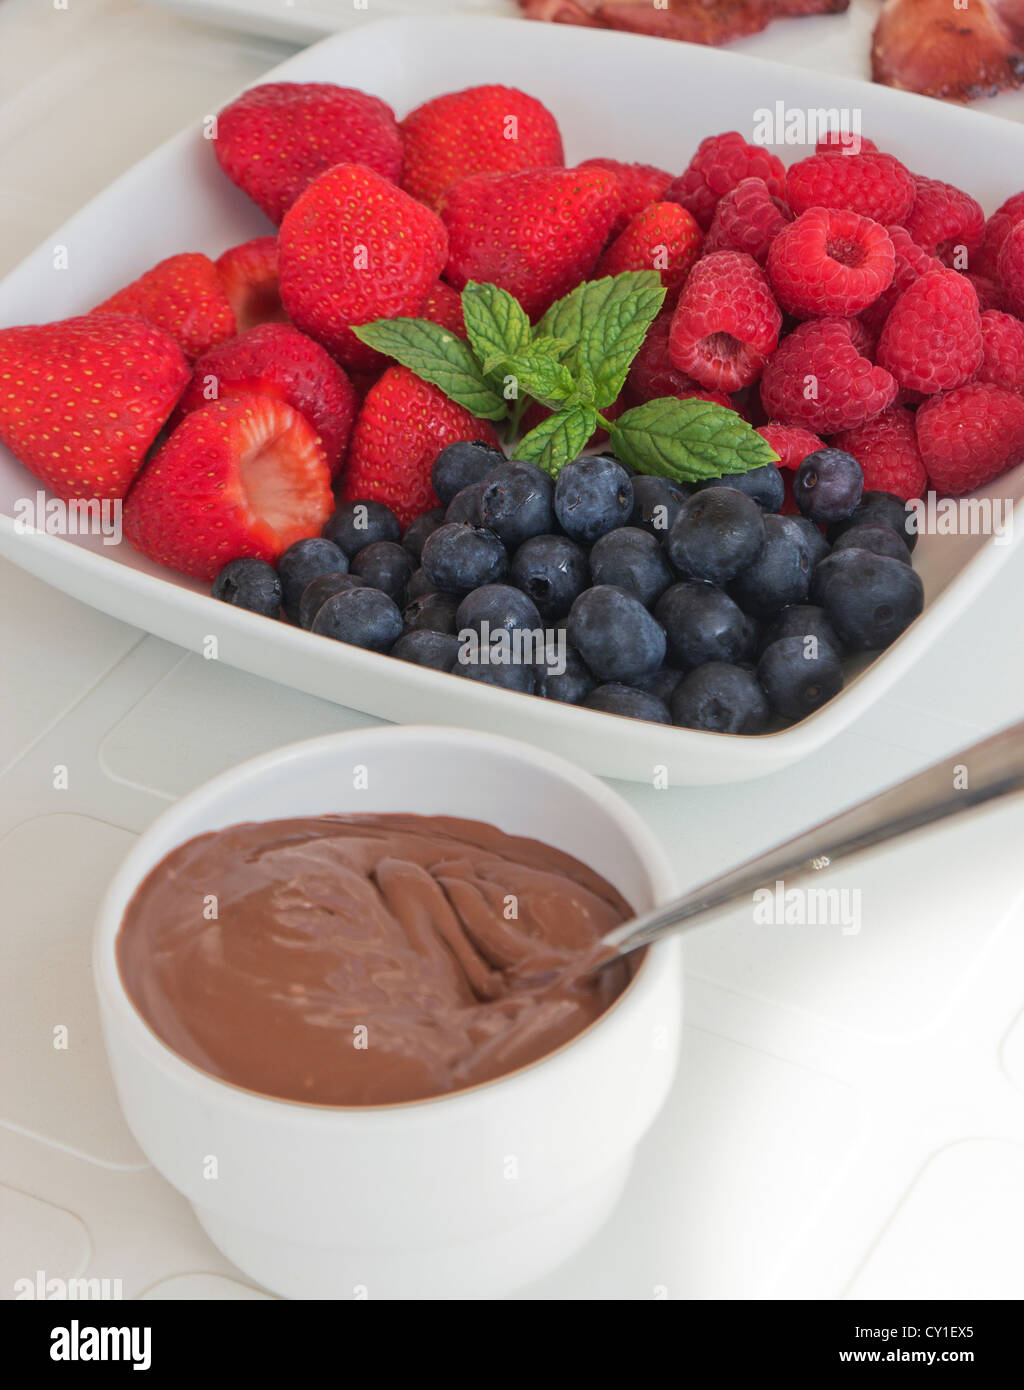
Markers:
(617, 95)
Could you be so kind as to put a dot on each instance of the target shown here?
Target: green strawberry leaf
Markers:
(497, 325)
(558, 439)
(436, 355)
(688, 440)
(541, 376)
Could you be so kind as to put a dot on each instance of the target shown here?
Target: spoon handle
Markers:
(976, 775)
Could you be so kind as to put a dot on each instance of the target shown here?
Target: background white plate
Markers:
(176, 199)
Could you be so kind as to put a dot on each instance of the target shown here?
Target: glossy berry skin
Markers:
(250, 584)
(460, 464)
(943, 218)
(631, 559)
(830, 263)
(888, 452)
(614, 634)
(660, 683)
(828, 485)
(747, 219)
(458, 558)
(465, 505)
(932, 339)
(656, 503)
(726, 324)
(722, 699)
(553, 571)
(764, 485)
(319, 590)
(184, 297)
(878, 508)
(639, 184)
(516, 502)
(703, 624)
(872, 184)
(718, 533)
(870, 599)
(248, 273)
(384, 565)
(720, 163)
(626, 700)
(970, 435)
(423, 647)
(416, 533)
(501, 606)
(782, 572)
(363, 617)
(817, 378)
(802, 620)
(433, 612)
(592, 495)
(879, 539)
(567, 687)
(799, 678)
(303, 562)
(505, 675)
(361, 522)
(663, 237)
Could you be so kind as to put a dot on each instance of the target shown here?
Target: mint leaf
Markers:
(496, 323)
(614, 338)
(541, 376)
(558, 439)
(688, 440)
(436, 355)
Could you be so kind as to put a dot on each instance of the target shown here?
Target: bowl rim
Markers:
(132, 1029)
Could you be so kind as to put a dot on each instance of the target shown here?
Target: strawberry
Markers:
(241, 477)
(536, 234)
(82, 400)
(275, 139)
(639, 184)
(352, 249)
(663, 237)
(443, 305)
(483, 130)
(275, 359)
(184, 296)
(403, 425)
(249, 276)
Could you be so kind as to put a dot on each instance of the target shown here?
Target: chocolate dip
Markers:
(362, 960)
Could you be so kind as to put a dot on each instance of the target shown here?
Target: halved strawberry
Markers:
(275, 359)
(184, 296)
(249, 276)
(82, 400)
(245, 476)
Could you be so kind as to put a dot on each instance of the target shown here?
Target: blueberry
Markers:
(782, 572)
(797, 678)
(614, 634)
(431, 612)
(500, 606)
(818, 547)
(386, 566)
(883, 509)
(802, 620)
(828, 485)
(703, 624)
(824, 572)
(568, 687)
(419, 529)
(764, 485)
(458, 558)
(615, 698)
(465, 506)
(364, 617)
(553, 571)
(592, 495)
(721, 698)
(505, 675)
(633, 560)
(873, 536)
(303, 562)
(418, 586)
(251, 584)
(319, 590)
(460, 464)
(870, 599)
(718, 533)
(360, 523)
(660, 683)
(438, 650)
(656, 503)
(516, 502)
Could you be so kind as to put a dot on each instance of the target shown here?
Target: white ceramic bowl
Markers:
(467, 1195)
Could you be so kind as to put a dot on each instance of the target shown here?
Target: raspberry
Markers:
(720, 163)
(861, 336)
(997, 228)
(886, 449)
(698, 393)
(932, 339)
(1003, 338)
(1011, 268)
(652, 374)
(970, 435)
(726, 322)
(791, 443)
(875, 185)
(663, 237)
(838, 142)
(817, 378)
(990, 295)
(945, 221)
(747, 219)
(639, 184)
(830, 262)
(912, 261)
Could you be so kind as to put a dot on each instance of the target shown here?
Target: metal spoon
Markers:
(993, 768)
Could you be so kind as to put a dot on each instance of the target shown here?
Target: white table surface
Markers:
(848, 1115)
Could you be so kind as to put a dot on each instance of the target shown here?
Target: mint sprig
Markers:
(574, 362)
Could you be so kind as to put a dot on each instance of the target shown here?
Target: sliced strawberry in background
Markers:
(249, 276)
(275, 359)
(82, 400)
(241, 477)
(183, 295)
